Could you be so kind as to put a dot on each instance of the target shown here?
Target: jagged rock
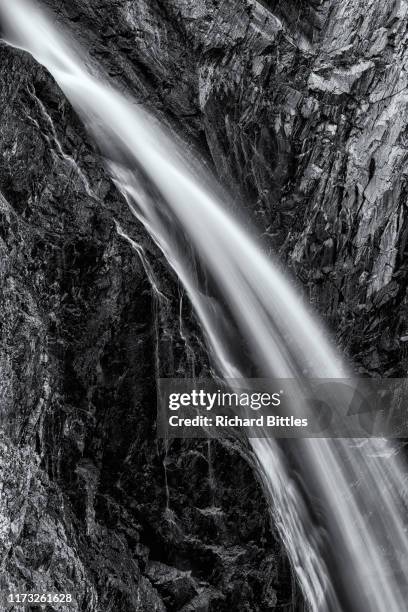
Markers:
(176, 587)
(208, 600)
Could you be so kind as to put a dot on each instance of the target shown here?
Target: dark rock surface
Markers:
(300, 108)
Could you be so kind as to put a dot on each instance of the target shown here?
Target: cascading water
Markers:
(359, 491)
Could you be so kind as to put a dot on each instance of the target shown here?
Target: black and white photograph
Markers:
(203, 305)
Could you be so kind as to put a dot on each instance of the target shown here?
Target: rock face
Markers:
(300, 108)
(301, 105)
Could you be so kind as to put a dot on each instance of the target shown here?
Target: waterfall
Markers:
(357, 562)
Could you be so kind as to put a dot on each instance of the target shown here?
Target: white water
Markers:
(359, 562)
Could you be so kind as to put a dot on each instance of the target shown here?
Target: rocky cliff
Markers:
(299, 107)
